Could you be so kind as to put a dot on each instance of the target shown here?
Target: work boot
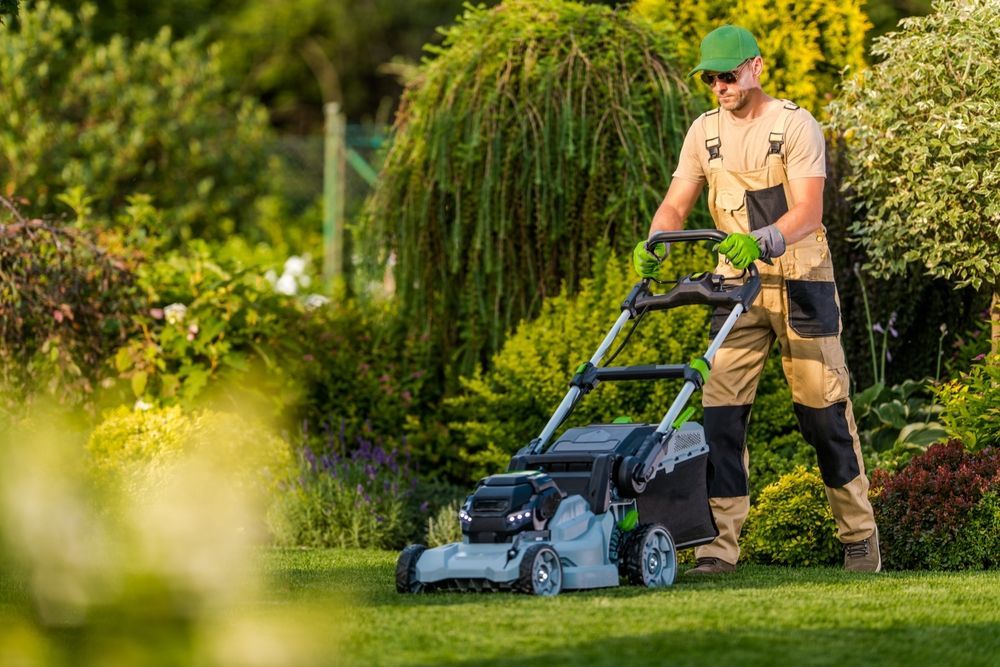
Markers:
(710, 566)
(863, 556)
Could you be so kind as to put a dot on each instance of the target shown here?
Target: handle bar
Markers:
(687, 235)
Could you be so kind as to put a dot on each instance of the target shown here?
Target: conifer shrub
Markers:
(805, 43)
(536, 130)
(940, 512)
(790, 523)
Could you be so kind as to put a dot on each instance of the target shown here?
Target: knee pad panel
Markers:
(826, 429)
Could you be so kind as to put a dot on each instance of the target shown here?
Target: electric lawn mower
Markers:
(604, 501)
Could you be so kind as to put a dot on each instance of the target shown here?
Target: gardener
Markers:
(764, 162)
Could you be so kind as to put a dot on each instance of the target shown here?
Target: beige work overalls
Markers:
(798, 305)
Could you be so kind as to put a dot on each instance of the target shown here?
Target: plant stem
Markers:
(868, 316)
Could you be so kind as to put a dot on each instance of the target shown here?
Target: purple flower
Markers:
(424, 505)
(877, 328)
(360, 490)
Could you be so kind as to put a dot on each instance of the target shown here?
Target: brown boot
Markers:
(863, 556)
(710, 566)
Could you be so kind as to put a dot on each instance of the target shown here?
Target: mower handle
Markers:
(687, 235)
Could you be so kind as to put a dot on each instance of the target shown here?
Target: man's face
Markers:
(735, 96)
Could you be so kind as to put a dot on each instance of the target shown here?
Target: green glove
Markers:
(645, 263)
(740, 249)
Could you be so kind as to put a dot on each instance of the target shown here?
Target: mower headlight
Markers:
(519, 517)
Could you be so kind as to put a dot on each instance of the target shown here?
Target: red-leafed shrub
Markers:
(942, 511)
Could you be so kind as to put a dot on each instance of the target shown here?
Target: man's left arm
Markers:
(806, 214)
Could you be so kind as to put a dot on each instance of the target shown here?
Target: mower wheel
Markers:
(540, 572)
(650, 558)
(406, 569)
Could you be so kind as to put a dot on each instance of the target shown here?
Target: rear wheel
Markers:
(406, 569)
(650, 557)
(541, 572)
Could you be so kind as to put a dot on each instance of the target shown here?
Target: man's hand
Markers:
(740, 249)
(645, 263)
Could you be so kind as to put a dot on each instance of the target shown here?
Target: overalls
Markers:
(798, 305)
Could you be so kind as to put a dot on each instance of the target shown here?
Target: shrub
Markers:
(444, 527)
(364, 499)
(805, 44)
(155, 117)
(139, 447)
(941, 511)
(213, 325)
(791, 523)
(537, 130)
(502, 410)
(65, 303)
(972, 406)
(921, 134)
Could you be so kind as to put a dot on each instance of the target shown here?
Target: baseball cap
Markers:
(726, 48)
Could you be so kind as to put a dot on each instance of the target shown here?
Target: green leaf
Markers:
(139, 383)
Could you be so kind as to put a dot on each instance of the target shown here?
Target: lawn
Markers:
(759, 616)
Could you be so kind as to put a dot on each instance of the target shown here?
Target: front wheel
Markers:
(650, 557)
(406, 569)
(541, 572)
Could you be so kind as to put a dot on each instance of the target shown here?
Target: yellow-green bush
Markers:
(790, 523)
(138, 448)
(805, 43)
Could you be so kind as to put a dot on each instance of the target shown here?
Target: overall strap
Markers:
(712, 140)
(777, 136)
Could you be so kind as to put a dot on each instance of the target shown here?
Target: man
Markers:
(764, 162)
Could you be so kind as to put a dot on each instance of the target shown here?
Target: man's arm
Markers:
(806, 215)
(677, 204)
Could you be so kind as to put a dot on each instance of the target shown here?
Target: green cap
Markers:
(726, 48)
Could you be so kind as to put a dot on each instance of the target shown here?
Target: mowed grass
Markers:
(758, 616)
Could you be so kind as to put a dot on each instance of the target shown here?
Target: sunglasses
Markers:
(724, 77)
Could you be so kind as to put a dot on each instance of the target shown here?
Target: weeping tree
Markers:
(535, 131)
(924, 148)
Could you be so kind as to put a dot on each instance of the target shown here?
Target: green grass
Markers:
(758, 616)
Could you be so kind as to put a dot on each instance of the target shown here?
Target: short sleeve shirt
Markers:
(745, 144)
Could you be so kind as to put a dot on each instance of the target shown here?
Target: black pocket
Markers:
(719, 316)
(812, 308)
(765, 207)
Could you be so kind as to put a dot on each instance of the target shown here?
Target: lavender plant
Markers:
(362, 499)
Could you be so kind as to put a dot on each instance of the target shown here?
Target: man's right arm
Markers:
(676, 205)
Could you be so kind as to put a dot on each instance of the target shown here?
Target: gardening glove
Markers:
(740, 249)
(645, 263)
(770, 241)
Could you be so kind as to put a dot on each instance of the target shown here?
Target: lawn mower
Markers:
(603, 502)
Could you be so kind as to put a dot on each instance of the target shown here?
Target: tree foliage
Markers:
(924, 137)
(805, 44)
(298, 54)
(536, 131)
(155, 117)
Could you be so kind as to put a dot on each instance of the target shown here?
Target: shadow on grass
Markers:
(908, 645)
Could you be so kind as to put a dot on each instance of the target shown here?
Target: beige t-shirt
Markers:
(745, 144)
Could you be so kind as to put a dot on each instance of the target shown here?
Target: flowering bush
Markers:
(941, 511)
(791, 523)
(363, 499)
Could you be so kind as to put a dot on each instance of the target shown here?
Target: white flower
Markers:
(271, 276)
(142, 405)
(314, 301)
(286, 285)
(295, 266)
(175, 313)
(305, 280)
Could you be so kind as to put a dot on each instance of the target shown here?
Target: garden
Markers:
(246, 358)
